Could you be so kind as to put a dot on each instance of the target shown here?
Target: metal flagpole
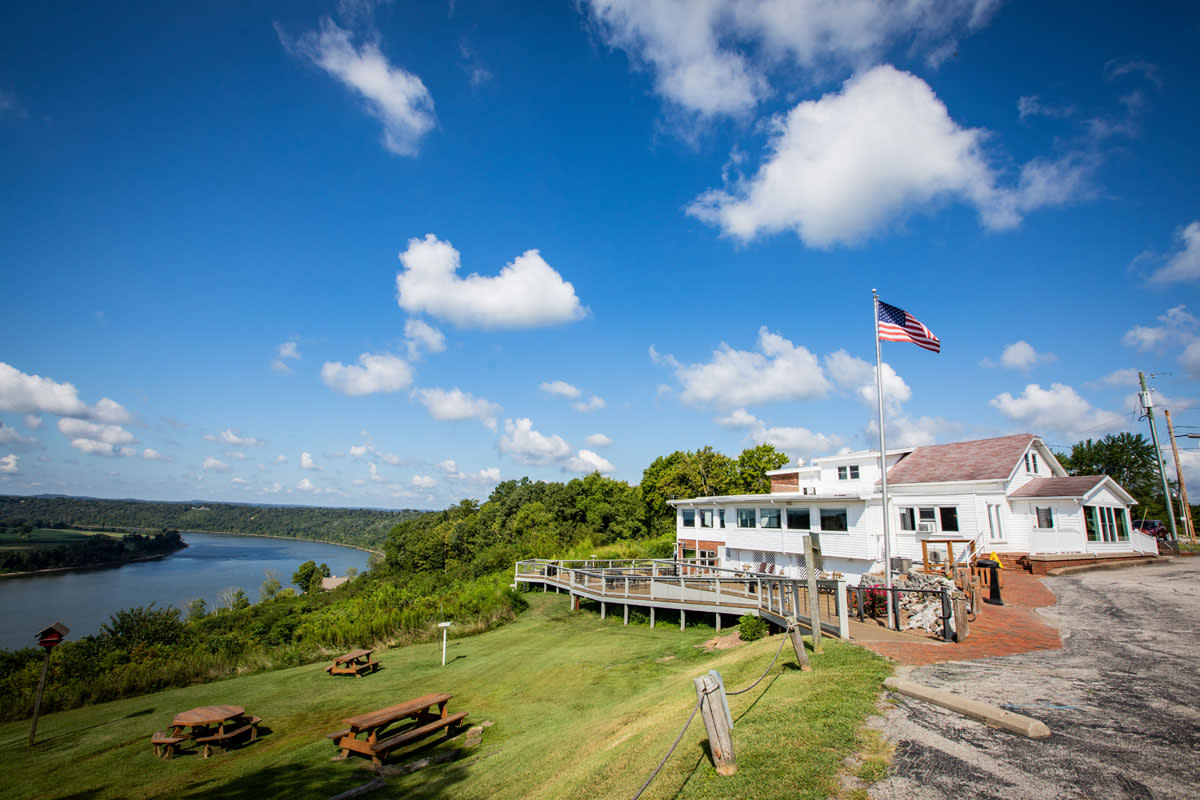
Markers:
(887, 537)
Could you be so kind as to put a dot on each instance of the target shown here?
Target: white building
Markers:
(1007, 495)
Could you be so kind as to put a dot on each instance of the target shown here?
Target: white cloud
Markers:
(457, 405)
(215, 465)
(738, 418)
(1190, 359)
(306, 462)
(1121, 377)
(489, 476)
(1032, 106)
(560, 388)
(94, 447)
(82, 429)
(22, 393)
(281, 459)
(1178, 326)
(715, 56)
(598, 440)
(150, 454)
(1020, 355)
(798, 442)
(843, 167)
(905, 431)
(33, 422)
(527, 293)
(1133, 403)
(110, 411)
(858, 376)
(779, 371)
(1059, 409)
(377, 373)
(527, 446)
(239, 482)
(8, 464)
(1184, 264)
(591, 404)
(421, 336)
(360, 450)
(394, 96)
(236, 454)
(1189, 458)
(586, 462)
(10, 437)
(423, 482)
(287, 350)
(231, 437)
(305, 485)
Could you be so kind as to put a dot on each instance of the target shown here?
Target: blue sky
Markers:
(387, 254)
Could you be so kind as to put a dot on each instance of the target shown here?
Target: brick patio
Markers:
(997, 630)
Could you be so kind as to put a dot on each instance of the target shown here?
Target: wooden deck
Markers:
(686, 586)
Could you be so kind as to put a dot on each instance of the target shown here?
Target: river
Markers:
(211, 563)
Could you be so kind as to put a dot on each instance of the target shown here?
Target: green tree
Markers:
(753, 465)
(270, 587)
(704, 473)
(196, 609)
(314, 584)
(302, 577)
(1127, 458)
(239, 600)
(144, 625)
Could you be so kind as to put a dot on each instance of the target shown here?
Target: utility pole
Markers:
(1188, 527)
(1148, 404)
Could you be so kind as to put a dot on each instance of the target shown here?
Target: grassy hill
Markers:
(582, 707)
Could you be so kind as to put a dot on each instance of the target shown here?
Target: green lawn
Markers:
(44, 537)
(582, 707)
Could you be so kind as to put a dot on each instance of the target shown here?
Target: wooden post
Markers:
(682, 619)
(720, 737)
(798, 646)
(814, 601)
(718, 622)
(961, 628)
(627, 613)
(37, 703)
(652, 617)
(1188, 527)
(603, 609)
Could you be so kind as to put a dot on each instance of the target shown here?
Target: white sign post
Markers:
(444, 626)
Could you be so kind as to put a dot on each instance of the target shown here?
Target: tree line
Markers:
(91, 551)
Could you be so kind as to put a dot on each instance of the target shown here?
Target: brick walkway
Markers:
(997, 630)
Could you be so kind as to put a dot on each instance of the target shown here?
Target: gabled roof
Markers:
(1075, 486)
(980, 460)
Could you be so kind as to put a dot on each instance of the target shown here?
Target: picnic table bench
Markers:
(356, 662)
(210, 726)
(424, 721)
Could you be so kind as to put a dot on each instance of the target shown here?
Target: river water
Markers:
(211, 563)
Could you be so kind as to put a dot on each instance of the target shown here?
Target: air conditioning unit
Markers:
(903, 565)
(926, 527)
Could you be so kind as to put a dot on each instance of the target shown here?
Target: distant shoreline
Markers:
(81, 567)
(285, 538)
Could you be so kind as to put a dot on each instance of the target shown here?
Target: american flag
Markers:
(897, 325)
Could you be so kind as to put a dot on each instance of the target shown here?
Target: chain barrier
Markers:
(696, 708)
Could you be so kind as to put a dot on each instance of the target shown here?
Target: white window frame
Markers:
(753, 511)
(1037, 518)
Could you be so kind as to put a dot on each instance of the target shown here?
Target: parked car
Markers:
(1152, 527)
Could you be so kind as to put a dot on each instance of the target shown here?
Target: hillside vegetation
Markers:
(581, 707)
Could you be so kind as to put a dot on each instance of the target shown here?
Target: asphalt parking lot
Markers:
(1122, 699)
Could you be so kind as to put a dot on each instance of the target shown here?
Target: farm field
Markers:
(581, 707)
(45, 537)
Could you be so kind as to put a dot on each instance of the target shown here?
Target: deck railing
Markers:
(694, 585)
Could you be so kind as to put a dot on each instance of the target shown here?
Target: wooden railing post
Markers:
(717, 722)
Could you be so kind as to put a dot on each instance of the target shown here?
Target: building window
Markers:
(798, 519)
(769, 518)
(995, 529)
(706, 517)
(746, 518)
(1122, 528)
(721, 517)
(1031, 463)
(1045, 518)
(949, 518)
(908, 519)
(1089, 517)
(833, 519)
(1105, 524)
(689, 518)
(848, 473)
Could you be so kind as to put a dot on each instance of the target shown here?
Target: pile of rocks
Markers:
(922, 611)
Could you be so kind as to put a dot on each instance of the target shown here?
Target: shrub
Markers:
(752, 627)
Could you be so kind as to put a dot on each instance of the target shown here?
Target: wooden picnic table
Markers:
(356, 662)
(374, 723)
(198, 724)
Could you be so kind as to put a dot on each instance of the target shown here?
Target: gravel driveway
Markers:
(1122, 699)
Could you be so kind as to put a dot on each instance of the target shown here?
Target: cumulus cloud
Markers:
(591, 404)
(527, 446)
(1059, 409)
(33, 422)
(488, 476)
(1020, 355)
(423, 482)
(798, 442)
(1190, 359)
(281, 459)
(374, 373)
(287, 351)
(305, 485)
(391, 94)
(457, 405)
(598, 440)
(716, 57)
(527, 293)
(8, 464)
(858, 376)
(778, 371)
(1178, 326)
(560, 388)
(1121, 377)
(109, 411)
(306, 462)
(22, 393)
(231, 437)
(150, 454)
(586, 462)
(215, 465)
(95, 438)
(422, 337)
(843, 167)
(738, 418)
(904, 431)
(10, 437)
(1184, 263)
(1032, 106)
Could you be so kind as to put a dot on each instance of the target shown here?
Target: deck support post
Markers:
(682, 619)
(603, 609)
(627, 613)
(651, 617)
(718, 622)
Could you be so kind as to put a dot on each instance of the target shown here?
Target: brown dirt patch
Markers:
(726, 642)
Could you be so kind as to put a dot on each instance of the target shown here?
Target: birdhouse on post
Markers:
(49, 637)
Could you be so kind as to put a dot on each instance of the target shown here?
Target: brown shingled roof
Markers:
(1076, 486)
(983, 459)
